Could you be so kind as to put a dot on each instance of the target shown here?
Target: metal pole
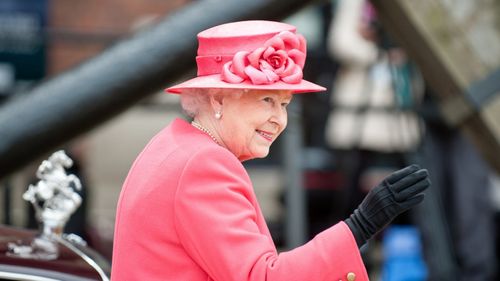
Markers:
(79, 100)
(7, 190)
(295, 222)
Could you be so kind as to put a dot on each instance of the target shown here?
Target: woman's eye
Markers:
(285, 104)
(268, 99)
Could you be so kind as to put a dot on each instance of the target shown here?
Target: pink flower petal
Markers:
(227, 76)
(276, 42)
(303, 44)
(295, 78)
(255, 56)
(265, 65)
(290, 66)
(239, 64)
(283, 55)
(290, 39)
(280, 70)
(298, 57)
(269, 51)
(257, 77)
(271, 76)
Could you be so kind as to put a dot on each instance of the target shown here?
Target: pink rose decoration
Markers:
(281, 58)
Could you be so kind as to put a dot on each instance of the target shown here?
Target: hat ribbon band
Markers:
(208, 65)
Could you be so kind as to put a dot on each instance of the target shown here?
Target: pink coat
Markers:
(187, 211)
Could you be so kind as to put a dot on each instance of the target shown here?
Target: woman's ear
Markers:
(216, 102)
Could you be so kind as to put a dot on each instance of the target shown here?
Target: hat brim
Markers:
(213, 81)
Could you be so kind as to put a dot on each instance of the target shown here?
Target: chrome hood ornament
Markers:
(54, 199)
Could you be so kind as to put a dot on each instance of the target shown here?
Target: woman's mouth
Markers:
(267, 136)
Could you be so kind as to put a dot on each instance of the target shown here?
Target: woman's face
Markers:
(252, 122)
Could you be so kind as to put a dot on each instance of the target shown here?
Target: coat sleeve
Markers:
(216, 221)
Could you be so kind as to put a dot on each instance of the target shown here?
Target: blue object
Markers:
(402, 251)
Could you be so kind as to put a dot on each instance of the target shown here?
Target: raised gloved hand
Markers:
(397, 193)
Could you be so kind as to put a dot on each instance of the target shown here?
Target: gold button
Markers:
(351, 276)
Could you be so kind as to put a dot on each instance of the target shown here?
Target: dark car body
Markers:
(75, 260)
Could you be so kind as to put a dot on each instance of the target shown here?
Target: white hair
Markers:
(195, 100)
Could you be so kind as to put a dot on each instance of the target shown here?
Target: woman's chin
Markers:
(258, 154)
(262, 153)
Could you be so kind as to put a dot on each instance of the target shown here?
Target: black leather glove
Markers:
(395, 194)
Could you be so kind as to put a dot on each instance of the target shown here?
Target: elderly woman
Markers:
(187, 210)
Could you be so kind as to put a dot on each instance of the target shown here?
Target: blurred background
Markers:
(408, 82)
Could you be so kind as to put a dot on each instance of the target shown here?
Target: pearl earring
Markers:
(218, 115)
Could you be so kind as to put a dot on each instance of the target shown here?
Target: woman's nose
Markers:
(280, 117)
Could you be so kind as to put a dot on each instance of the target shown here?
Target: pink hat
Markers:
(263, 55)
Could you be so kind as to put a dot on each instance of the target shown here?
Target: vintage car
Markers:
(49, 254)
